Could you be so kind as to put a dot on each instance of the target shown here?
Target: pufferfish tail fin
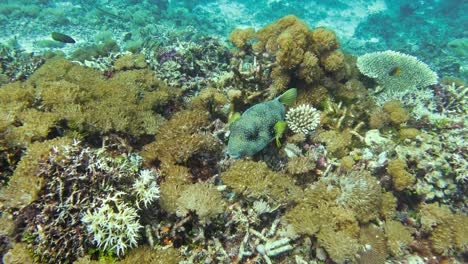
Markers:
(289, 97)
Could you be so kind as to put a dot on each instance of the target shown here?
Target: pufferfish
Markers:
(259, 125)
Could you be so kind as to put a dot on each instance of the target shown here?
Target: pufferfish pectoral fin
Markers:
(233, 117)
(279, 128)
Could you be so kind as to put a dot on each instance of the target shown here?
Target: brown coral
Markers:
(323, 40)
(240, 37)
(332, 61)
(401, 178)
(255, 179)
(203, 199)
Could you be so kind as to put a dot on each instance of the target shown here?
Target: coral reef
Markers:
(82, 198)
(119, 157)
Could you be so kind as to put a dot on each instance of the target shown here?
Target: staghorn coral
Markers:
(146, 187)
(113, 224)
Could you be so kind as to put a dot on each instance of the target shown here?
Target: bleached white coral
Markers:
(146, 187)
(303, 119)
(114, 224)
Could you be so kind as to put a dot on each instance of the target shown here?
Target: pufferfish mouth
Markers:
(232, 155)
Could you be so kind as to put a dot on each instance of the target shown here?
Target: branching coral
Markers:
(76, 179)
(113, 224)
(146, 187)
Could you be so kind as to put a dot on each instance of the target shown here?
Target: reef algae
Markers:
(256, 127)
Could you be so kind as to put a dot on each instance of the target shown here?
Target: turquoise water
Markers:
(115, 117)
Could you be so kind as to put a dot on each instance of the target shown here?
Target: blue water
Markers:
(381, 173)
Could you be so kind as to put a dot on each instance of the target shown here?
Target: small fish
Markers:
(62, 37)
(395, 71)
(259, 125)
